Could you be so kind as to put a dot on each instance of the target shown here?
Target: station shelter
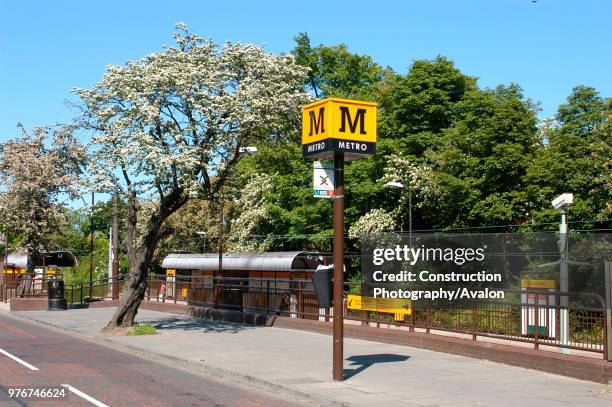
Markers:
(49, 265)
(272, 281)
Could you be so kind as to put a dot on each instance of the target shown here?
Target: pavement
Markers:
(298, 362)
(82, 373)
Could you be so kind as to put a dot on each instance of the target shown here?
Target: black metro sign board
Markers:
(339, 125)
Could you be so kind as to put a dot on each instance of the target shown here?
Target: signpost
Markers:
(323, 179)
(341, 129)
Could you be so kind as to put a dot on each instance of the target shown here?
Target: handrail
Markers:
(511, 318)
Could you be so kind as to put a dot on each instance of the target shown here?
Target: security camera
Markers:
(562, 200)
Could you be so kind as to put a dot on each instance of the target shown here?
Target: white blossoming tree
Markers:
(37, 170)
(374, 223)
(250, 207)
(418, 180)
(163, 124)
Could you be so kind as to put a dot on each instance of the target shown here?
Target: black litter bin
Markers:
(322, 283)
(55, 289)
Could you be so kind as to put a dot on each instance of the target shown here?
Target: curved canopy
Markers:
(271, 261)
(61, 258)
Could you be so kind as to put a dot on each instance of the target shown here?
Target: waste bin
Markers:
(55, 290)
(322, 283)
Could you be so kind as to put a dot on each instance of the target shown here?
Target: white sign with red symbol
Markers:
(323, 179)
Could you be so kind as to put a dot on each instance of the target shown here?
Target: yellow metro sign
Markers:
(342, 125)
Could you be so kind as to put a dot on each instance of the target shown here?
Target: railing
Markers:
(36, 287)
(525, 315)
(518, 317)
(85, 292)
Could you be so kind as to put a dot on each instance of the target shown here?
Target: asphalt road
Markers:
(98, 375)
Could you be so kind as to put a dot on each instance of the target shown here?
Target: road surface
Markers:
(92, 374)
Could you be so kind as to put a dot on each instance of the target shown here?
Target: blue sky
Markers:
(547, 47)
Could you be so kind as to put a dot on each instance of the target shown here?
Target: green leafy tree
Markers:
(290, 209)
(418, 106)
(574, 156)
(336, 72)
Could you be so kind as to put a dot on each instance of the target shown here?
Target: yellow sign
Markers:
(388, 305)
(339, 125)
(525, 283)
(170, 272)
(183, 292)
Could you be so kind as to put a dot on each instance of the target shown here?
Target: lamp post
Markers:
(204, 235)
(115, 252)
(4, 280)
(220, 248)
(399, 185)
(562, 203)
(91, 244)
(241, 151)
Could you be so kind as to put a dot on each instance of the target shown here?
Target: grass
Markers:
(144, 329)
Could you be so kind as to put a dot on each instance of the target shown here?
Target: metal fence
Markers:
(22, 285)
(85, 292)
(524, 315)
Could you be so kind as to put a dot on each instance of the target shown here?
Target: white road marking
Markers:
(84, 395)
(16, 359)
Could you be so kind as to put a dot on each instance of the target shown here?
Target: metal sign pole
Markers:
(338, 126)
(338, 280)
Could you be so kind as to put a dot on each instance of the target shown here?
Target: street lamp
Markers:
(204, 235)
(399, 185)
(562, 203)
(241, 151)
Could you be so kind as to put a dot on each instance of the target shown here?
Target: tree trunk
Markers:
(140, 258)
(132, 294)
(140, 255)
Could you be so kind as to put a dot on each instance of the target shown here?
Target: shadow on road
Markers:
(188, 324)
(362, 362)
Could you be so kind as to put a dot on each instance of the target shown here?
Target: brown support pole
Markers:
(220, 244)
(115, 245)
(537, 321)
(338, 280)
(608, 316)
(5, 281)
(91, 245)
